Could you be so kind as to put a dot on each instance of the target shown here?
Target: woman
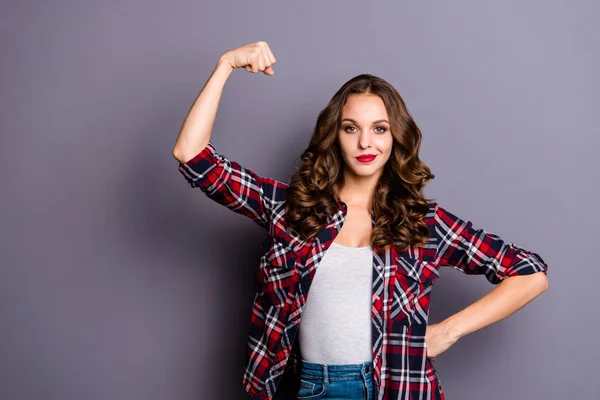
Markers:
(355, 212)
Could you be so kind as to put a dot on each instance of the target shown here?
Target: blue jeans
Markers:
(339, 381)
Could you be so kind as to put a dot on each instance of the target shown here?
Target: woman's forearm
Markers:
(506, 298)
(197, 126)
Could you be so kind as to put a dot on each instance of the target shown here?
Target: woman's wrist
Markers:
(224, 64)
(451, 326)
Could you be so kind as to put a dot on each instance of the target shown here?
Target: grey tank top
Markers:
(336, 321)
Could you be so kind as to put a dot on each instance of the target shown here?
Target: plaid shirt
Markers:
(402, 281)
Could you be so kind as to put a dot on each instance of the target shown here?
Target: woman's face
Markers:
(365, 130)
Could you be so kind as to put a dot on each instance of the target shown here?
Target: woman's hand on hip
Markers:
(437, 340)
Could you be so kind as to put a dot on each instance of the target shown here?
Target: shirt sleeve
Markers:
(475, 251)
(230, 184)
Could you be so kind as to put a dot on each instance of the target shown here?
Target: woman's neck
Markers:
(358, 192)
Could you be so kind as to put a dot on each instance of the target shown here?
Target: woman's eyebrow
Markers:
(374, 122)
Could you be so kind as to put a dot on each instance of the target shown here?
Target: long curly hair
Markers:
(399, 204)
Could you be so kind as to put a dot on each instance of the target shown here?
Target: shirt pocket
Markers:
(277, 272)
(412, 277)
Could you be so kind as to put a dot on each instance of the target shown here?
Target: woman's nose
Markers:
(364, 141)
(364, 144)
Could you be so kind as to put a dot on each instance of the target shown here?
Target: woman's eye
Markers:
(382, 129)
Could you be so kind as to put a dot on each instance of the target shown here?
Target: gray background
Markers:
(119, 281)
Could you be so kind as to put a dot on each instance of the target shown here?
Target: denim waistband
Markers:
(330, 372)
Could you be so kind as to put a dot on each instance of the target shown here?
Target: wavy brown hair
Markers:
(399, 204)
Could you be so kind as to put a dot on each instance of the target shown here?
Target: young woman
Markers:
(354, 227)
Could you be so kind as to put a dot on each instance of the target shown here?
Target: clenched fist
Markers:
(254, 57)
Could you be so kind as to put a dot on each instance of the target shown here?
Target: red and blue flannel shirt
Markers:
(402, 281)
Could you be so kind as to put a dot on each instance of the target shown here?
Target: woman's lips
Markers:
(366, 159)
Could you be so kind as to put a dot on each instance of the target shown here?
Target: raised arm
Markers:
(475, 251)
(222, 180)
(230, 184)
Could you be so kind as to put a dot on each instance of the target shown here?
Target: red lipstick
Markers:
(366, 158)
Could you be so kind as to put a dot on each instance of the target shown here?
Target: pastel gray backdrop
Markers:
(119, 281)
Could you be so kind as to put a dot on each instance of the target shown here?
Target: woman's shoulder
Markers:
(431, 210)
(278, 189)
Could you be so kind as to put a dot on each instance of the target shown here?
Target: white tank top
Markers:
(336, 321)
